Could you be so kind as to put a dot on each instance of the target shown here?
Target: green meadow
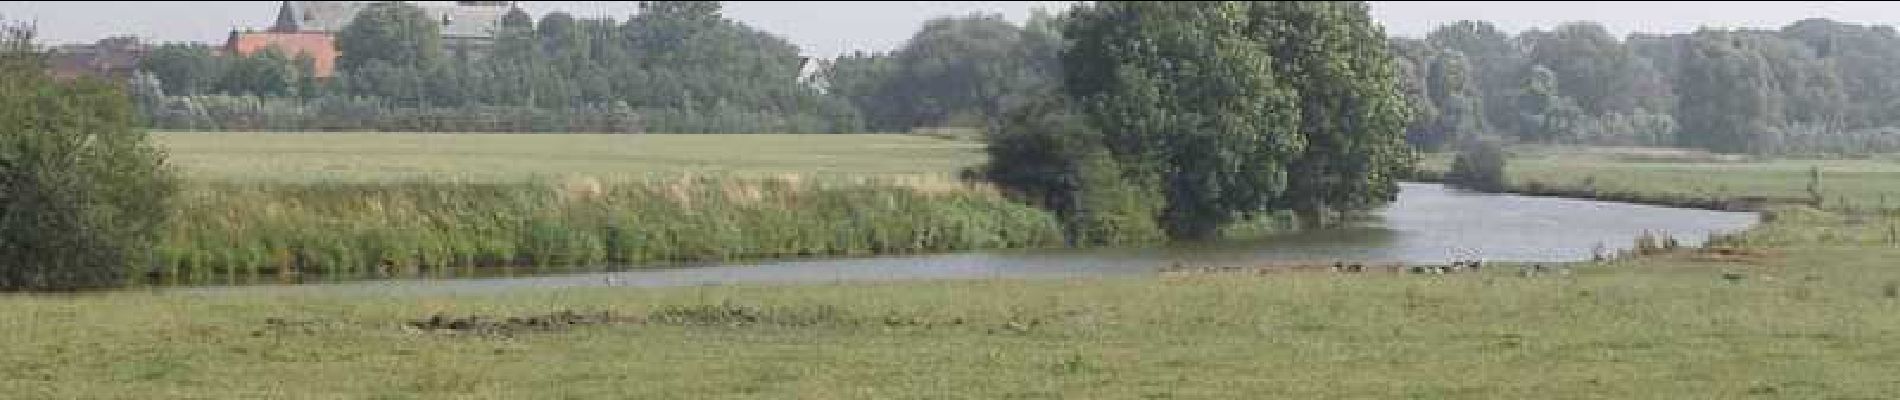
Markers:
(1799, 307)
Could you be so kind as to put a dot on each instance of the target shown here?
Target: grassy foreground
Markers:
(1810, 321)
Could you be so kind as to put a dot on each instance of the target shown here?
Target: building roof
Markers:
(115, 57)
(320, 46)
(467, 19)
(322, 16)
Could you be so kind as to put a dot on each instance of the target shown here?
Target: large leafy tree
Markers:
(962, 71)
(395, 32)
(1458, 103)
(185, 69)
(1590, 65)
(1353, 112)
(1187, 96)
(1729, 100)
(967, 70)
(1495, 60)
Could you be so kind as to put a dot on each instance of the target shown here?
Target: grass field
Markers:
(1853, 183)
(1803, 308)
(366, 157)
(1810, 320)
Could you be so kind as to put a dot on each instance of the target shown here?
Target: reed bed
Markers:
(237, 232)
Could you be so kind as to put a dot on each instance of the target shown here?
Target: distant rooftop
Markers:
(465, 19)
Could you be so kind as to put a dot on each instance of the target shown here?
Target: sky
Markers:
(829, 28)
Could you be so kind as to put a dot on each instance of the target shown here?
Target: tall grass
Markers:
(228, 232)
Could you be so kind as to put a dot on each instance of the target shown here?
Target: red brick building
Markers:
(320, 46)
(310, 27)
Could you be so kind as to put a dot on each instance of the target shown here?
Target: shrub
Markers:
(1480, 166)
(1111, 209)
(82, 194)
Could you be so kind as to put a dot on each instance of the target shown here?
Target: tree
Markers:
(1458, 102)
(82, 193)
(264, 73)
(1545, 115)
(185, 69)
(961, 71)
(1728, 98)
(394, 32)
(1186, 98)
(1591, 66)
(1479, 166)
(1495, 62)
(866, 81)
(1352, 111)
(1048, 155)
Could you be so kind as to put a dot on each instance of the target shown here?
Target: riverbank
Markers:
(1692, 180)
(1803, 320)
(1594, 193)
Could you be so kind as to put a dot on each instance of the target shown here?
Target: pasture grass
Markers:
(464, 157)
(1846, 184)
(1801, 318)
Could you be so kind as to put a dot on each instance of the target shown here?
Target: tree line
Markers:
(1814, 86)
(676, 66)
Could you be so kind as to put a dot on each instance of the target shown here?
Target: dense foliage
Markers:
(1229, 110)
(82, 193)
(957, 71)
(1814, 86)
(674, 67)
(1479, 166)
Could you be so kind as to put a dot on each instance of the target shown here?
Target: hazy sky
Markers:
(826, 28)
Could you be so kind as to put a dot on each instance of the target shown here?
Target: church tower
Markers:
(286, 19)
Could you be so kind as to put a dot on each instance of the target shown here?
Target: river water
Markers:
(1429, 223)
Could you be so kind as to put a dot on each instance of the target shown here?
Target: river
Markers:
(1429, 224)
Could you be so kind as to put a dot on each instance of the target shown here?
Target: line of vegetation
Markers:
(236, 233)
(676, 66)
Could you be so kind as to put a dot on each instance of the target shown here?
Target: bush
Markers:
(1480, 166)
(82, 194)
(1111, 209)
(1047, 155)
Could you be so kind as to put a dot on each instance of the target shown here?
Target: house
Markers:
(310, 27)
(115, 58)
(321, 47)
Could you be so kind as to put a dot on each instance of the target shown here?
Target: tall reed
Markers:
(249, 232)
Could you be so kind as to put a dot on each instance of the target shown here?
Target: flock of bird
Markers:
(1457, 266)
